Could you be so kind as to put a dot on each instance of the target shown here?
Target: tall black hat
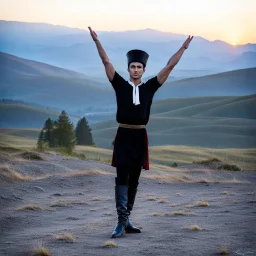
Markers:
(137, 56)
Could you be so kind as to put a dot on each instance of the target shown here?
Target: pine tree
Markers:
(41, 145)
(48, 132)
(64, 133)
(83, 133)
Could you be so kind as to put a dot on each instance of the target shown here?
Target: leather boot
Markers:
(131, 198)
(121, 193)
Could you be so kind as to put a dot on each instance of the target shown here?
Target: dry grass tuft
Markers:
(181, 213)
(96, 198)
(223, 251)
(163, 201)
(173, 205)
(151, 198)
(30, 156)
(203, 204)
(194, 228)
(208, 161)
(65, 203)
(85, 173)
(67, 237)
(250, 193)
(110, 244)
(229, 167)
(8, 175)
(198, 204)
(41, 251)
(178, 213)
(160, 214)
(168, 178)
(226, 193)
(31, 207)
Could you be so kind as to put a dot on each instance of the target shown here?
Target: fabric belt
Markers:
(132, 126)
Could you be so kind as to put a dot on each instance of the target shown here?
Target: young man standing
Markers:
(134, 99)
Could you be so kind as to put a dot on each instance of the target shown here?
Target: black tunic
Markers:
(130, 148)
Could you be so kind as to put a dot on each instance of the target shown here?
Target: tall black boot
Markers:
(131, 198)
(121, 192)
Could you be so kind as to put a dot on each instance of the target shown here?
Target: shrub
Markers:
(229, 167)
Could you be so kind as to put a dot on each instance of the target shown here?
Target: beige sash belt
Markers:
(132, 126)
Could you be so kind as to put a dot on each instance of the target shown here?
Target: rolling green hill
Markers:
(217, 122)
(22, 116)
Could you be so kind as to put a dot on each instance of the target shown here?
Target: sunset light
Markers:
(212, 19)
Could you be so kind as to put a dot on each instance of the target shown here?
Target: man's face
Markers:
(136, 70)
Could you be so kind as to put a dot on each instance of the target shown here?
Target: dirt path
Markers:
(83, 205)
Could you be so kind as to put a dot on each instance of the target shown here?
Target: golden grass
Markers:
(65, 203)
(198, 204)
(226, 193)
(181, 213)
(67, 237)
(163, 201)
(203, 204)
(159, 155)
(31, 207)
(245, 158)
(194, 228)
(96, 198)
(151, 198)
(41, 251)
(110, 244)
(8, 175)
(77, 173)
(167, 178)
(223, 251)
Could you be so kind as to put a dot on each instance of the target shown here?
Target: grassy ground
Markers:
(160, 156)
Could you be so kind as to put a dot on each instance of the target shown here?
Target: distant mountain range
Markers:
(73, 49)
(58, 88)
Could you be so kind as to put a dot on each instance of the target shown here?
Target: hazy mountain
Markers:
(11, 65)
(73, 49)
(232, 83)
(50, 86)
(59, 89)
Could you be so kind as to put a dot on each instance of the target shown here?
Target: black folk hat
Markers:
(137, 56)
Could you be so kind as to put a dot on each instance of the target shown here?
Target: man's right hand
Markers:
(93, 34)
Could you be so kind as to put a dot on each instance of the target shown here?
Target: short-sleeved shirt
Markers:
(127, 112)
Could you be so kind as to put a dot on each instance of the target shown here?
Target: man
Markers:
(134, 99)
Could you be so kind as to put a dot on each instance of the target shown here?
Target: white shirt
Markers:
(135, 92)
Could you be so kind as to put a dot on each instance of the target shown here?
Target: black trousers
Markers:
(128, 176)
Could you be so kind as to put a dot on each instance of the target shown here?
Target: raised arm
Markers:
(109, 68)
(165, 72)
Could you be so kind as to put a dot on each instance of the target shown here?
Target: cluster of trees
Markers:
(61, 134)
